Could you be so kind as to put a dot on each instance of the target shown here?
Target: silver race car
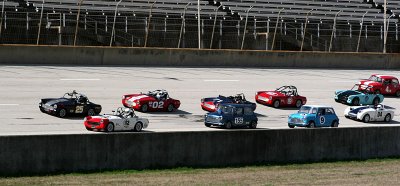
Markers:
(370, 113)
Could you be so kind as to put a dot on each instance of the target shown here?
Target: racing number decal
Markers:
(289, 100)
(322, 120)
(126, 124)
(238, 120)
(379, 114)
(79, 109)
(156, 104)
(388, 90)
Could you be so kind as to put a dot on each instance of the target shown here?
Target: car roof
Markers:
(384, 76)
(318, 106)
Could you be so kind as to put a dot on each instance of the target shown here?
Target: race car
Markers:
(285, 96)
(358, 97)
(381, 84)
(370, 113)
(211, 104)
(123, 119)
(72, 103)
(157, 100)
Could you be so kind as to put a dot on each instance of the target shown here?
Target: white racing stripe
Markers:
(221, 80)
(8, 104)
(80, 79)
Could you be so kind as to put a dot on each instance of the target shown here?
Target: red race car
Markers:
(285, 96)
(157, 100)
(381, 84)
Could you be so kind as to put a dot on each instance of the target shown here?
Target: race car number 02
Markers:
(157, 104)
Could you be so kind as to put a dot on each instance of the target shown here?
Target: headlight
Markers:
(101, 121)
(55, 106)
(123, 97)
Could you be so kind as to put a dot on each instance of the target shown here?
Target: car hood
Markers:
(346, 92)
(355, 110)
(270, 93)
(52, 101)
(297, 115)
(140, 97)
(213, 114)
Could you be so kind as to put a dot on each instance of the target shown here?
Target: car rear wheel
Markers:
(144, 108)
(388, 117)
(88, 128)
(311, 124)
(298, 103)
(398, 93)
(277, 103)
(355, 101)
(228, 125)
(376, 101)
(170, 108)
(91, 112)
(62, 113)
(366, 118)
(335, 124)
(291, 126)
(110, 127)
(253, 125)
(138, 127)
(207, 124)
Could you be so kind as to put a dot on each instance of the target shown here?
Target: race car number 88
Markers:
(157, 104)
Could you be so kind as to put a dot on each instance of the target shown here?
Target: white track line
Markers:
(221, 80)
(80, 79)
(8, 104)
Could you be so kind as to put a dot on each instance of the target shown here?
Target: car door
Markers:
(329, 116)
(386, 87)
(322, 119)
(238, 116)
(393, 86)
(379, 114)
(248, 115)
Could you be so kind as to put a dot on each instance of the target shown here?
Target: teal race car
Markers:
(358, 97)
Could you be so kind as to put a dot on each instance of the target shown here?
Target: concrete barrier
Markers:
(146, 150)
(65, 55)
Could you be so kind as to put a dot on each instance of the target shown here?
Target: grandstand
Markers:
(309, 25)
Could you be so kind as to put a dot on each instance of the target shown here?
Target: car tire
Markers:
(89, 129)
(228, 125)
(91, 112)
(253, 125)
(397, 93)
(376, 101)
(388, 117)
(110, 127)
(355, 101)
(299, 103)
(276, 103)
(366, 118)
(335, 123)
(170, 108)
(144, 108)
(207, 124)
(311, 124)
(138, 127)
(62, 113)
(291, 126)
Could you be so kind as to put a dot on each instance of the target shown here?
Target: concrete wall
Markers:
(69, 153)
(44, 55)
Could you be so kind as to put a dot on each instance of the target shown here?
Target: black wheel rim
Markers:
(62, 113)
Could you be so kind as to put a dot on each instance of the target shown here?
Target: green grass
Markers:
(369, 172)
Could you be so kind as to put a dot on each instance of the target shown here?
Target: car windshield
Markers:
(375, 78)
(225, 109)
(305, 109)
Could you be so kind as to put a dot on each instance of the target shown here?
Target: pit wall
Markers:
(116, 151)
(64, 55)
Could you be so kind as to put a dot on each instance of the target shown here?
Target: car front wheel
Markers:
(110, 127)
(277, 103)
(144, 108)
(253, 125)
(311, 124)
(170, 108)
(335, 124)
(398, 93)
(366, 118)
(62, 113)
(138, 127)
(228, 125)
(388, 117)
(355, 102)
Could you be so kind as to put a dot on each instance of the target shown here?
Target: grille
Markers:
(47, 107)
(93, 123)
(211, 119)
(295, 120)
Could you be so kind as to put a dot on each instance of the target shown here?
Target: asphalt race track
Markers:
(22, 87)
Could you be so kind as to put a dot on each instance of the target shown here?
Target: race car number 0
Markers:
(157, 104)
(238, 120)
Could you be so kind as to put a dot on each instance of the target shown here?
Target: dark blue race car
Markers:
(210, 104)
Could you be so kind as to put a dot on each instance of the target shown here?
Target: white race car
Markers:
(124, 119)
(370, 113)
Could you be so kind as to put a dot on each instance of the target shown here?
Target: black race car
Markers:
(71, 103)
